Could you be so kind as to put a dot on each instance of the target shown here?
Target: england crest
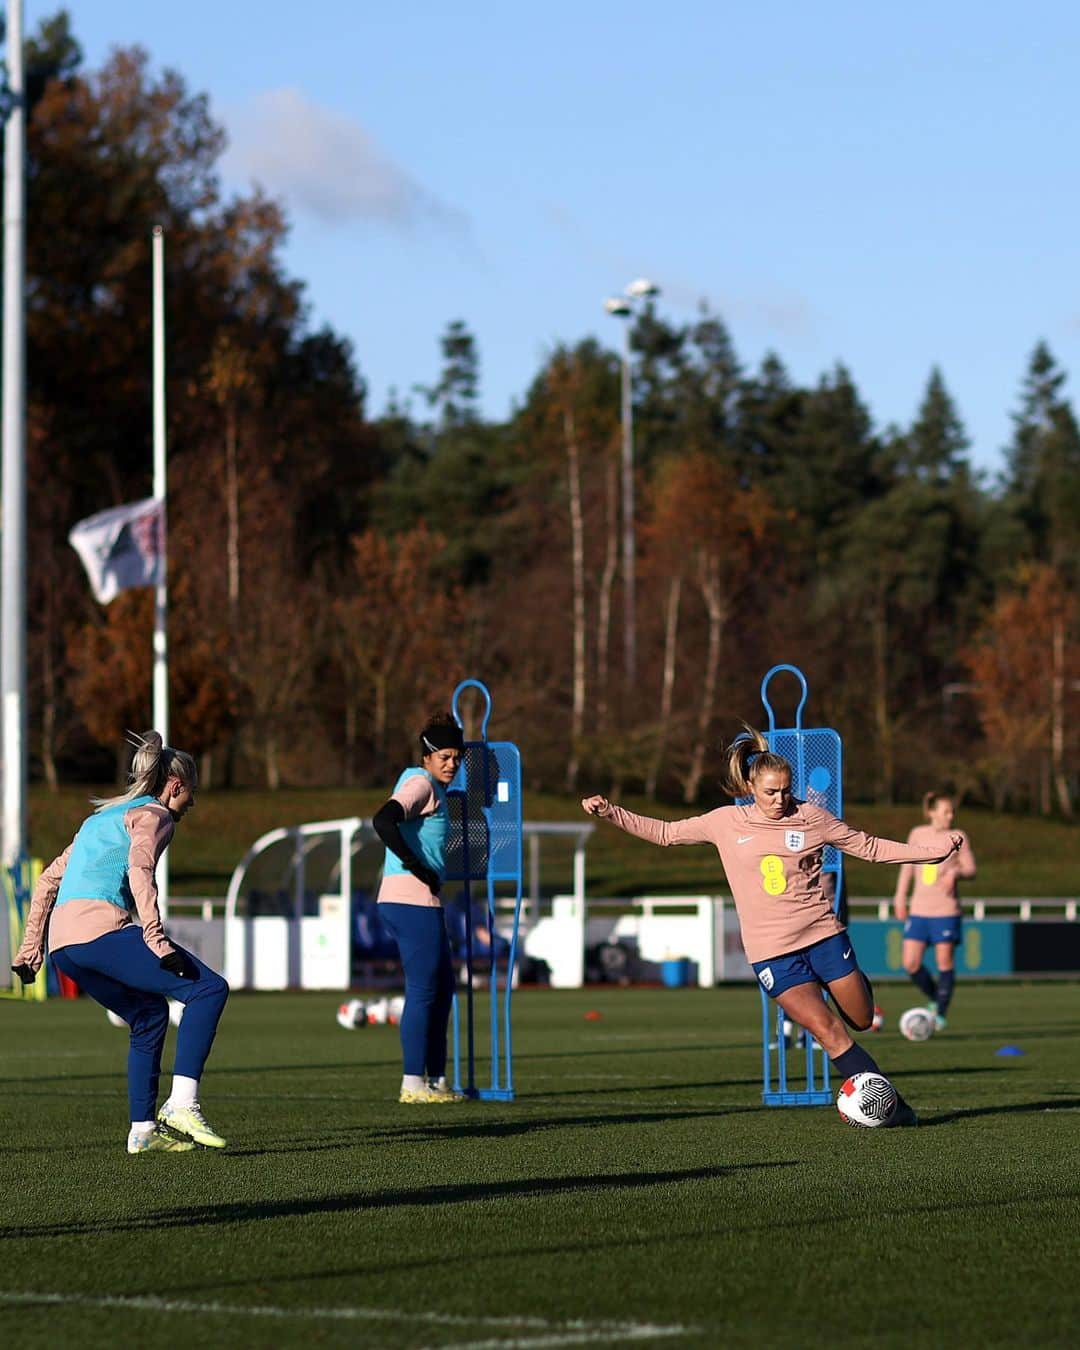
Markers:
(795, 840)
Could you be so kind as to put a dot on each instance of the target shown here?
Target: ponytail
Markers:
(152, 765)
(746, 757)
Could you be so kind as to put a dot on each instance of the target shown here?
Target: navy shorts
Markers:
(822, 962)
(920, 928)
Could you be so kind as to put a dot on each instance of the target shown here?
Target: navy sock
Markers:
(854, 1060)
(857, 1060)
(946, 980)
(925, 981)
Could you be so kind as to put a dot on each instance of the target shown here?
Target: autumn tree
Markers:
(1014, 666)
(399, 622)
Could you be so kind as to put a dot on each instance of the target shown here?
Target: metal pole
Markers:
(13, 604)
(628, 550)
(161, 591)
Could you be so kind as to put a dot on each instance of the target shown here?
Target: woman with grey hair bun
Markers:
(98, 904)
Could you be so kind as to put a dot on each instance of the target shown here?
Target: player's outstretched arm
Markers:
(872, 848)
(694, 830)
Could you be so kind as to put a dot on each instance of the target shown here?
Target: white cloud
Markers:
(326, 164)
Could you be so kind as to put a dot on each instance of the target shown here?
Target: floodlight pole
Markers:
(622, 307)
(161, 590)
(629, 549)
(13, 579)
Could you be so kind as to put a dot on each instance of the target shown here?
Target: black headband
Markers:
(445, 736)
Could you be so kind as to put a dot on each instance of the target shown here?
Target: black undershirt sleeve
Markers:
(387, 822)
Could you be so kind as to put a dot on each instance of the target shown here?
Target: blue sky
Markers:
(892, 187)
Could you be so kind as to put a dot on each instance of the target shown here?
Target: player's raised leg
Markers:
(804, 1004)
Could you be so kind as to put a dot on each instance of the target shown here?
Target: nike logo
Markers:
(847, 954)
(744, 838)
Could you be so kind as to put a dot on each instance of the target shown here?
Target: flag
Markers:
(122, 547)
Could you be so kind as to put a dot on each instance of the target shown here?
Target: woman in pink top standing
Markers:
(934, 914)
(772, 851)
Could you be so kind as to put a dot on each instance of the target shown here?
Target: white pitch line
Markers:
(570, 1332)
(619, 1334)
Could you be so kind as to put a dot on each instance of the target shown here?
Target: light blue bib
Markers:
(425, 835)
(98, 866)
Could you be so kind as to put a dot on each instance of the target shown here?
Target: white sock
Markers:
(413, 1082)
(142, 1126)
(185, 1091)
(440, 1083)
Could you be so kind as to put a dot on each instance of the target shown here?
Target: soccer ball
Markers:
(867, 1099)
(352, 1014)
(378, 1013)
(917, 1024)
(878, 1020)
(115, 1020)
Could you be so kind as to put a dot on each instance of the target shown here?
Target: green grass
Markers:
(1017, 855)
(637, 1180)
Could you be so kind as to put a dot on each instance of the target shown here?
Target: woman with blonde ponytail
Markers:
(771, 849)
(98, 904)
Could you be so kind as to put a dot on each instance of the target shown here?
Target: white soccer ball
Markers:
(176, 1011)
(917, 1024)
(378, 1013)
(115, 1019)
(352, 1014)
(867, 1099)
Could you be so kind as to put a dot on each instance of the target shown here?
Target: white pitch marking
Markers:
(620, 1334)
(569, 1332)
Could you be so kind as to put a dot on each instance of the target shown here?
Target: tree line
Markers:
(333, 573)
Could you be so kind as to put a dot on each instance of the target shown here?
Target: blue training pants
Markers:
(420, 933)
(119, 971)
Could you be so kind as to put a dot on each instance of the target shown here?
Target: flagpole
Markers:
(161, 590)
(13, 602)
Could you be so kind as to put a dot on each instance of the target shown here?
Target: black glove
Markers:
(179, 963)
(25, 973)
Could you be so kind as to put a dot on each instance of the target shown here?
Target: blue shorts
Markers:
(822, 962)
(919, 928)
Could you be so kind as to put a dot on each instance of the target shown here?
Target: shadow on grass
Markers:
(1007, 1109)
(488, 1259)
(475, 1128)
(424, 1197)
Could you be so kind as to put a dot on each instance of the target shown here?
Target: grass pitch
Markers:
(636, 1192)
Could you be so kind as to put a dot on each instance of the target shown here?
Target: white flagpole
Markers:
(161, 591)
(13, 603)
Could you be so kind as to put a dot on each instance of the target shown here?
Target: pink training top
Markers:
(934, 895)
(417, 798)
(150, 827)
(774, 866)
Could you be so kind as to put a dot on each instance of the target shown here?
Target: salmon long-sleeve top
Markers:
(933, 885)
(774, 866)
(150, 829)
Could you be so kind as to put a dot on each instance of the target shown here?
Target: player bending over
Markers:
(86, 897)
(772, 850)
(934, 914)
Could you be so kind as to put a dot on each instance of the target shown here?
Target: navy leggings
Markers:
(120, 972)
(420, 933)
